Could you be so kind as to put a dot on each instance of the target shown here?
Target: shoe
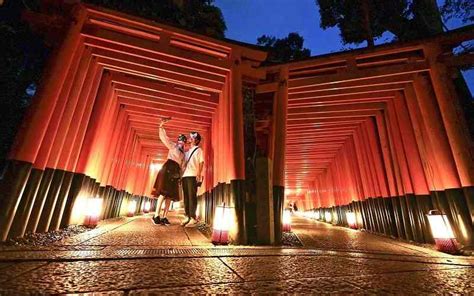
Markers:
(185, 221)
(192, 223)
(156, 220)
(165, 221)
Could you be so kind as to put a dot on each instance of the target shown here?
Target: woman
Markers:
(167, 182)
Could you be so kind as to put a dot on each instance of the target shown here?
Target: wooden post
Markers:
(280, 113)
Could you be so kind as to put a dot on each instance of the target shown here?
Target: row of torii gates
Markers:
(378, 131)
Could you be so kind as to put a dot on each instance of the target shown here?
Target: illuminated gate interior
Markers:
(376, 132)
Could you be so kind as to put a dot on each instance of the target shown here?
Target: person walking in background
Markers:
(192, 179)
(167, 181)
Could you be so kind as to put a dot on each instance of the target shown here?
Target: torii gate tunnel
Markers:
(378, 132)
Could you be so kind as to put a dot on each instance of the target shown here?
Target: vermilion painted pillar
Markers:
(237, 129)
(453, 117)
(396, 139)
(425, 148)
(415, 166)
(280, 115)
(279, 128)
(110, 124)
(31, 133)
(391, 166)
(432, 119)
(90, 139)
(84, 121)
(80, 111)
(81, 61)
(115, 145)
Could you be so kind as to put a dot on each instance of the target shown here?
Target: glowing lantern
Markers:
(351, 220)
(221, 225)
(132, 207)
(286, 221)
(442, 232)
(328, 217)
(316, 215)
(93, 210)
(146, 208)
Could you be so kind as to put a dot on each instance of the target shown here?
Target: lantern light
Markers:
(147, 207)
(132, 207)
(351, 220)
(316, 215)
(442, 232)
(286, 221)
(93, 210)
(328, 217)
(221, 225)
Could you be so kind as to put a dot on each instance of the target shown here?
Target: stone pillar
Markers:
(265, 213)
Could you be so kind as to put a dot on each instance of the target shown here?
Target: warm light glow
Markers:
(222, 224)
(155, 166)
(440, 226)
(351, 219)
(132, 207)
(94, 207)
(92, 210)
(147, 207)
(286, 221)
(328, 216)
(222, 218)
(316, 215)
(79, 210)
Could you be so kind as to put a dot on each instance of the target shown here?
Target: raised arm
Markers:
(164, 138)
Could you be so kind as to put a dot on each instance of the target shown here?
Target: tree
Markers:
(200, 16)
(363, 20)
(286, 49)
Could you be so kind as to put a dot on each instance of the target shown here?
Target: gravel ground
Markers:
(290, 239)
(32, 240)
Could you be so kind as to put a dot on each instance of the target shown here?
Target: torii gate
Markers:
(376, 131)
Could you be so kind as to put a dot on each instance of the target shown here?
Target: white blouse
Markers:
(192, 167)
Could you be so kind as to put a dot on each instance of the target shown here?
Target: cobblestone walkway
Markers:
(132, 256)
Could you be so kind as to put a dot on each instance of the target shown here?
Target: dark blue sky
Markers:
(249, 19)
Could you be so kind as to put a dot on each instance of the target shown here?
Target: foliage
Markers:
(23, 58)
(405, 19)
(458, 9)
(200, 16)
(286, 49)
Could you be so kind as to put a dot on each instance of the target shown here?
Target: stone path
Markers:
(133, 256)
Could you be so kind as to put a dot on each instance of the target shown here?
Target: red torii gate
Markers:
(376, 131)
(380, 132)
(92, 129)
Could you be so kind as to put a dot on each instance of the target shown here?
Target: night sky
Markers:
(249, 19)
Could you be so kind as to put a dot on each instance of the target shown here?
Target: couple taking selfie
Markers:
(181, 166)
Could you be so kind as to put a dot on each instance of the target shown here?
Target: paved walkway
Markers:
(133, 256)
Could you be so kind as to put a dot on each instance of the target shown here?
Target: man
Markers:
(192, 178)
